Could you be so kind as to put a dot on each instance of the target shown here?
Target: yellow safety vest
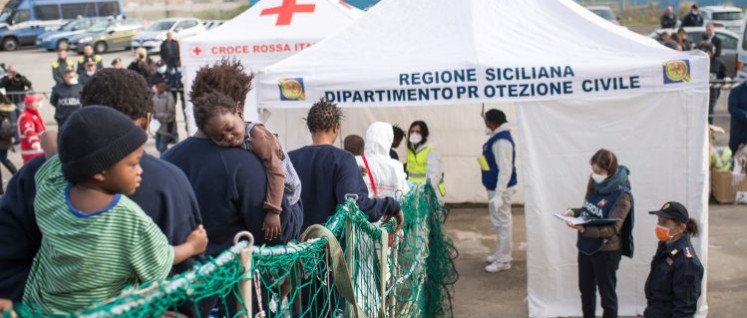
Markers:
(417, 167)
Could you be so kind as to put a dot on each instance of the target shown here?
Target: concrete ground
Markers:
(482, 294)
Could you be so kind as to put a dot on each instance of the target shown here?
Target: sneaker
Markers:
(497, 267)
(491, 259)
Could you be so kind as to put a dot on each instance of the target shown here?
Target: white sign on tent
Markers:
(577, 82)
(268, 32)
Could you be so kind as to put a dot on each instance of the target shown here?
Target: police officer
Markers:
(673, 285)
(499, 178)
(88, 57)
(423, 161)
(60, 65)
(66, 97)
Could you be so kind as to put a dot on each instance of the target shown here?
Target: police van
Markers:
(21, 21)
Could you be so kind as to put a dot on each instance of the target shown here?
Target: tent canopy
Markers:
(268, 32)
(489, 49)
(571, 82)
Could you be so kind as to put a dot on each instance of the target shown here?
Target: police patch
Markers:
(602, 203)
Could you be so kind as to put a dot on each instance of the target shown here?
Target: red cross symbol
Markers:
(197, 51)
(286, 10)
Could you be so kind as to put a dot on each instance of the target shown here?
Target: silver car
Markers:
(182, 28)
(730, 18)
(729, 41)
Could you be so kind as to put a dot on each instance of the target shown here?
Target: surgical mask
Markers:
(488, 131)
(90, 73)
(73, 81)
(662, 233)
(598, 178)
(415, 138)
(162, 69)
(40, 104)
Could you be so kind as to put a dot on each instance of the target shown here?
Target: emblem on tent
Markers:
(676, 71)
(286, 10)
(292, 89)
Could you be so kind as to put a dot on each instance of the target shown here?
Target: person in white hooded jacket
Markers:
(384, 176)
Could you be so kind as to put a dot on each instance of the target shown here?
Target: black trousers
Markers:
(600, 270)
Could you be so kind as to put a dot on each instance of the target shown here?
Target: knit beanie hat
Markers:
(94, 139)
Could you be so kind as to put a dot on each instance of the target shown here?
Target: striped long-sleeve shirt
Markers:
(87, 258)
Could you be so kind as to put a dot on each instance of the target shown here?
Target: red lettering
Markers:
(229, 50)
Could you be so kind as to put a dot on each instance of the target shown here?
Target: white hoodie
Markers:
(388, 174)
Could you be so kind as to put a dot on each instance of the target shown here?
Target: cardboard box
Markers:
(723, 189)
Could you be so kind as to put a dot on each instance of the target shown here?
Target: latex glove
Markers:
(497, 199)
(36, 146)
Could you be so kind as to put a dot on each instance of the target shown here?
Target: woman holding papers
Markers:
(600, 247)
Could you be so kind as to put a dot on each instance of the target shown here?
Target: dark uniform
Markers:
(83, 60)
(673, 285)
(58, 69)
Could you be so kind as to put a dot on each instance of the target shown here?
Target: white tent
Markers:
(573, 83)
(268, 32)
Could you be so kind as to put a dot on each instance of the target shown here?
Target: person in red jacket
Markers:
(30, 128)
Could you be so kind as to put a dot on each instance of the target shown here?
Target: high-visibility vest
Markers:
(417, 167)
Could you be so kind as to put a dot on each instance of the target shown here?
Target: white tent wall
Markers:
(458, 133)
(658, 136)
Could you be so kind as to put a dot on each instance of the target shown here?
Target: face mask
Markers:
(415, 138)
(488, 131)
(162, 69)
(662, 233)
(598, 178)
(40, 104)
(73, 81)
(90, 73)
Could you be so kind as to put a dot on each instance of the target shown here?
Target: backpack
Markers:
(7, 129)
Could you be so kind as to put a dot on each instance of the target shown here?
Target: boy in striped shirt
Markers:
(96, 241)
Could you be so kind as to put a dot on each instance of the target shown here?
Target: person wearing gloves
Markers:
(499, 178)
(384, 176)
(423, 160)
(600, 247)
(30, 127)
(673, 286)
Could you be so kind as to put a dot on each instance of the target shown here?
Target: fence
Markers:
(346, 268)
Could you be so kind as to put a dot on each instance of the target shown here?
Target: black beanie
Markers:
(94, 139)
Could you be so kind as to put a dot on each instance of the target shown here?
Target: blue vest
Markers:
(490, 177)
(596, 206)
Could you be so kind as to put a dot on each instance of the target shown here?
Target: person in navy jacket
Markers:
(328, 173)
(674, 283)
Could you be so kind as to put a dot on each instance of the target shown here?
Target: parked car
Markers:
(728, 39)
(605, 12)
(211, 24)
(22, 21)
(730, 18)
(152, 37)
(58, 40)
(107, 35)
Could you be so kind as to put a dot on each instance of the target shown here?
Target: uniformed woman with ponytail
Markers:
(673, 286)
(423, 160)
(600, 247)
